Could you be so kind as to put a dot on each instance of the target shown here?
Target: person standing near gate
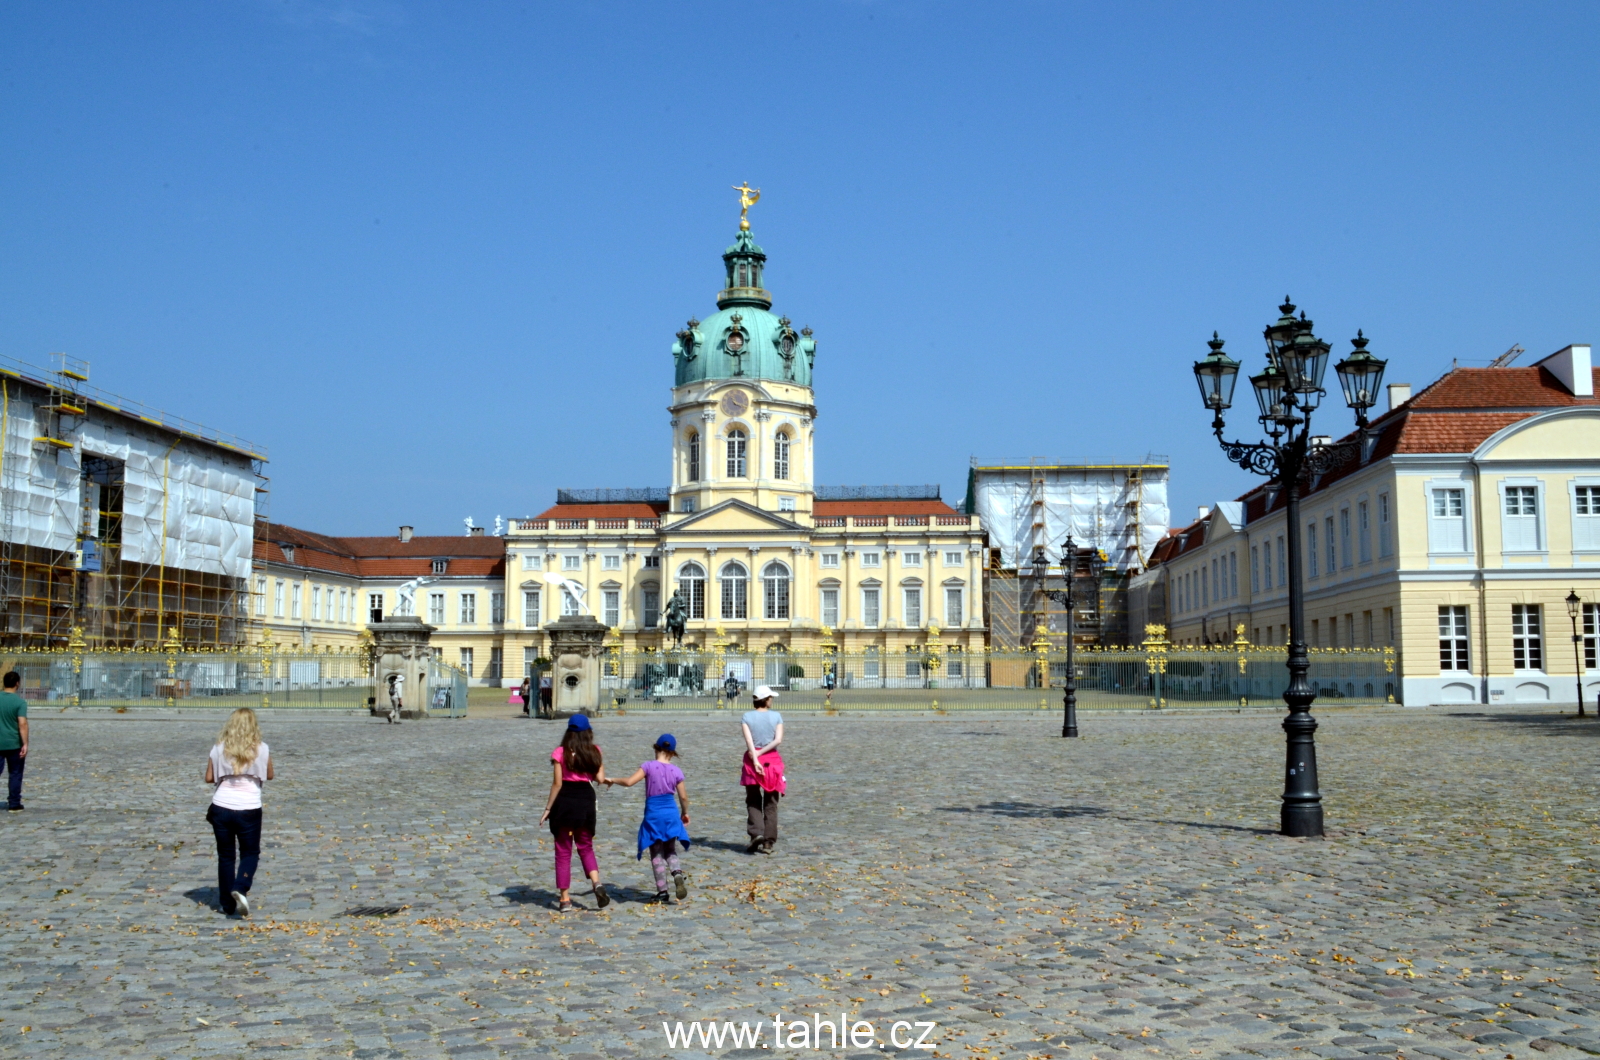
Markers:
(13, 737)
(762, 775)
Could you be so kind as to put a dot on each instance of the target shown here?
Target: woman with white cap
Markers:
(762, 775)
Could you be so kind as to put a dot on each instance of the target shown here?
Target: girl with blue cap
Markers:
(666, 815)
(578, 764)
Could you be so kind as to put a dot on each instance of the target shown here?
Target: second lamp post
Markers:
(1288, 392)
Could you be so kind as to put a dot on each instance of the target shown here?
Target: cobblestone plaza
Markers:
(1121, 894)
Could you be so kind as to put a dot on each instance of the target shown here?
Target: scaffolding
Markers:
(115, 528)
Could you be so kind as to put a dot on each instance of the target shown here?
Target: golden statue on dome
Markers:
(748, 197)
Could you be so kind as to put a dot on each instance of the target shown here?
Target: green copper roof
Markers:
(743, 339)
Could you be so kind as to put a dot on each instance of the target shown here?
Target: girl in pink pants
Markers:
(577, 766)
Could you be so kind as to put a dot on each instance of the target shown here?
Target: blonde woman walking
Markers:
(239, 765)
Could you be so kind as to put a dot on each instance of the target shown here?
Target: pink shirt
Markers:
(555, 756)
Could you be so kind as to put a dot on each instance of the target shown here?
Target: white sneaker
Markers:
(241, 904)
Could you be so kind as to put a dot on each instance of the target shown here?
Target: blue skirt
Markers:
(661, 822)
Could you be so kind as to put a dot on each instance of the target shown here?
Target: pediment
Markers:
(734, 515)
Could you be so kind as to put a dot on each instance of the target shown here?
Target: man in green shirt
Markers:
(13, 736)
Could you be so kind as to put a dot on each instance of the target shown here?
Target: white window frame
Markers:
(532, 601)
(733, 591)
(261, 597)
(1527, 638)
(497, 608)
(871, 606)
(777, 591)
(436, 609)
(294, 600)
(691, 581)
(277, 598)
(1255, 569)
(737, 442)
(954, 558)
(786, 504)
(828, 606)
(1439, 526)
(1332, 546)
(911, 605)
(316, 603)
(376, 602)
(649, 615)
(466, 660)
(692, 444)
(571, 562)
(1311, 549)
(611, 561)
(467, 608)
(611, 607)
(532, 561)
(1347, 557)
(1520, 525)
(781, 443)
(1364, 530)
(1585, 527)
(910, 558)
(1386, 525)
(652, 563)
(872, 559)
(570, 604)
(830, 560)
(954, 606)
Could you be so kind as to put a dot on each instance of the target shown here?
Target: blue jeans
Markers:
(14, 761)
(241, 827)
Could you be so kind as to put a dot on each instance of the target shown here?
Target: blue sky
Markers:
(433, 255)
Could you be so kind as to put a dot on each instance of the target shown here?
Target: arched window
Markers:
(692, 584)
(776, 579)
(736, 449)
(780, 456)
(694, 456)
(735, 591)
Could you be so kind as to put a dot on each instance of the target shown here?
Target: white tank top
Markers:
(238, 789)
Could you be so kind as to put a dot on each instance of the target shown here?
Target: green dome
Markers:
(743, 339)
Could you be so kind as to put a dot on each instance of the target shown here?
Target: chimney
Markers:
(1204, 511)
(1574, 367)
(405, 534)
(1399, 394)
(476, 531)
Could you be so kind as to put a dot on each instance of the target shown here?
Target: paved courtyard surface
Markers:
(1118, 895)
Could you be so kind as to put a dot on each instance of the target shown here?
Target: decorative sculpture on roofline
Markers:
(748, 197)
(677, 616)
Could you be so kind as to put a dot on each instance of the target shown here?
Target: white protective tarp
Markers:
(209, 513)
(1106, 507)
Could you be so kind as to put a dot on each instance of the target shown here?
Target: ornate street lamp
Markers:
(1574, 607)
(1287, 393)
(1069, 570)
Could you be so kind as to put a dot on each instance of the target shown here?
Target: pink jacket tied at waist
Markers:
(772, 777)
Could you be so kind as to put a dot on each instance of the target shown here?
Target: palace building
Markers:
(755, 547)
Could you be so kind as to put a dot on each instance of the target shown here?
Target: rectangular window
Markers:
(1316, 633)
(1366, 629)
(1586, 518)
(569, 603)
(736, 451)
(440, 566)
(496, 663)
(1205, 584)
(869, 664)
(686, 504)
(611, 607)
(913, 610)
(436, 609)
(469, 609)
(1233, 574)
(775, 594)
(294, 600)
(530, 608)
(1350, 631)
(1591, 628)
(1385, 542)
(316, 603)
(1448, 522)
(1255, 568)
(869, 608)
(532, 561)
(571, 562)
(497, 608)
(530, 655)
(1333, 632)
(652, 563)
(830, 559)
(1527, 639)
(1311, 550)
(735, 597)
(466, 660)
(952, 608)
(1333, 552)
(785, 504)
(1283, 578)
(830, 608)
(952, 559)
(955, 665)
(913, 661)
(1344, 537)
(344, 605)
(652, 607)
(261, 597)
(911, 559)
(1388, 626)
(277, 598)
(1364, 531)
(611, 562)
(872, 559)
(374, 607)
(1452, 638)
(1521, 522)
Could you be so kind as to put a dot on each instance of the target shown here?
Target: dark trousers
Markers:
(761, 807)
(241, 828)
(14, 761)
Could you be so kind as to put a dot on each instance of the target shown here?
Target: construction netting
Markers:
(1119, 509)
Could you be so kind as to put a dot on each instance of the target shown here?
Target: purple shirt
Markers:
(660, 778)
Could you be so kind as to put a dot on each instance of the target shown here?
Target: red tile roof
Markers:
(380, 556)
